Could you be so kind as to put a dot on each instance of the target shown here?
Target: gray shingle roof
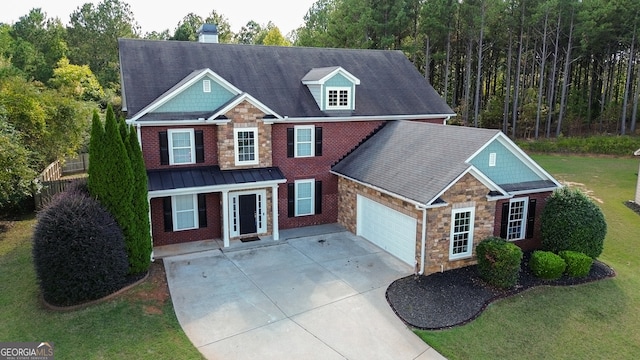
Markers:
(412, 159)
(318, 73)
(390, 84)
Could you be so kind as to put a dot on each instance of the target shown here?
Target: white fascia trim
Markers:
(340, 70)
(520, 154)
(244, 97)
(476, 174)
(534, 191)
(413, 202)
(181, 122)
(214, 188)
(475, 153)
(286, 119)
(166, 97)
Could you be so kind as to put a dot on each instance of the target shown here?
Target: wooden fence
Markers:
(56, 177)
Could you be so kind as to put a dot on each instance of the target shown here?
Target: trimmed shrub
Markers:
(499, 262)
(571, 221)
(78, 250)
(139, 245)
(578, 264)
(111, 177)
(546, 265)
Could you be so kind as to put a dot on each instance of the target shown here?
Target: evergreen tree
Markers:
(140, 256)
(96, 154)
(113, 186)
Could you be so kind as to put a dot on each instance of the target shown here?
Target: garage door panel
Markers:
(387, 228)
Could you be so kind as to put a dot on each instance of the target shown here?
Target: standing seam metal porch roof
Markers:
(390, 83)
(204, 176)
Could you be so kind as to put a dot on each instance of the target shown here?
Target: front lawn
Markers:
(139, 324)
(594, 321)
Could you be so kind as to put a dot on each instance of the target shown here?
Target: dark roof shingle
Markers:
(390, 84)
(412, 159)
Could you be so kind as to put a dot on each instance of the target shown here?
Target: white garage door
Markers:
(391, 230)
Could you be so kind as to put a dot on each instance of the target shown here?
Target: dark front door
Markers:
(247, 205)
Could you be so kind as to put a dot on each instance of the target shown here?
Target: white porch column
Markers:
(274, 205)
(225, 217)
(150, 228)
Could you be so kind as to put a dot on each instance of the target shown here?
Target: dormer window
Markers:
(206, 86)
(338, 98)
(333, 88)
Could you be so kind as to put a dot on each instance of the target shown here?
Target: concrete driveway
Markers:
(315, 297)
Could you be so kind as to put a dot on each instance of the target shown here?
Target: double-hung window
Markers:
(338, 98)
(246, 146)
(185, 212)
(304, 197)
(517, 219)
(304, 141)
(461, 242)
(181, 146)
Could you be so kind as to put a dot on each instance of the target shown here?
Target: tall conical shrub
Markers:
(96, 153)
(140, 246)
(113, 184)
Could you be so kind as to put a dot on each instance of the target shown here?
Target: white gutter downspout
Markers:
(139, 134)
(150, 229)
(444, 122)
(423, 245)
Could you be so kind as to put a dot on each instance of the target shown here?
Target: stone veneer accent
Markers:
(244, 115)
(467, 190)
(347, 207)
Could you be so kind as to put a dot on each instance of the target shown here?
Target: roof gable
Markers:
(321, 75)
(414, 160)
(184, 95)
(420, 161)
(390, 84)
(510, 165)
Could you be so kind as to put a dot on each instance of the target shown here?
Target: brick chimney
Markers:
(208, 33)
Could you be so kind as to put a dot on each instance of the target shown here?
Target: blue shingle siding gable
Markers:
(193, 98)
(508, 169)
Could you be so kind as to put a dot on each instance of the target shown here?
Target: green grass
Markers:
(600, 320)
(117, 329)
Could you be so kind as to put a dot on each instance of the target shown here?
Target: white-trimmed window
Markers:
(304, 191)
(181, 146)
(246, 146)
(516, 227)
(304, 141)
(185, 212)
(338, 98)
(461, 242)
(206, 86)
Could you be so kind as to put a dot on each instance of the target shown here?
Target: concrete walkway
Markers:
(313, 297)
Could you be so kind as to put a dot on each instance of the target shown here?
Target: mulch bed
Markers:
(633, 206)
(456, 297)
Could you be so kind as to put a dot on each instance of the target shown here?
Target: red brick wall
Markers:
(212, 231)
(536, 241)
(337, 140)
(151, 145)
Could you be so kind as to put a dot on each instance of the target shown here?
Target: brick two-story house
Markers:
(244, 140)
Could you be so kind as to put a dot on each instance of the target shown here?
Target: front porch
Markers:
(163, 251)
